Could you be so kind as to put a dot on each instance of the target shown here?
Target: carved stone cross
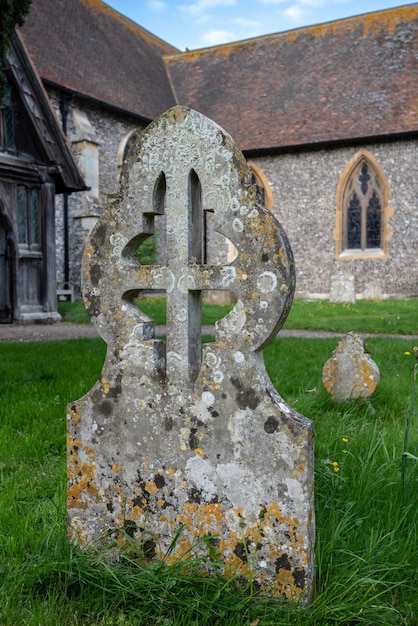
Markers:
(174, 437)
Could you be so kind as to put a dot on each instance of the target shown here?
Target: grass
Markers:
(385, 317)
(367, 533)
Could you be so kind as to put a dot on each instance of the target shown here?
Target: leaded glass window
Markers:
(7, 122)
(28, 216)
(363, 210)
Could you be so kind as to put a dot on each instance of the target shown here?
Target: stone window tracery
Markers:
(362, 229)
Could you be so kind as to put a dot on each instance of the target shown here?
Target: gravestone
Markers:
(350, 372)
(342, 289)
(176, 441)
(373, 291)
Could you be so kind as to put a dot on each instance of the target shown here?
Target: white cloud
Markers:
(157, 5)
(201, 6)
(273, 1)
(216, 37)
(295, 13)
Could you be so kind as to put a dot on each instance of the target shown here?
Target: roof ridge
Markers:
(99, 4)
(292, 33)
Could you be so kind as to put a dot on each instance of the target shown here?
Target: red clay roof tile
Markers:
(352, 78)
(87, 47)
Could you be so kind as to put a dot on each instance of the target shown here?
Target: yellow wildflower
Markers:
(336, 468)
(407, 353)
(344, 439)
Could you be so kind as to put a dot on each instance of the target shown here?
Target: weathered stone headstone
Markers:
(372, 291)
(172, 437)
(342, 289)
(350, 372)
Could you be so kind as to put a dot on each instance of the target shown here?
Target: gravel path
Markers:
(65, 330)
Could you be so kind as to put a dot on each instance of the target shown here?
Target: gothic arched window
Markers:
(362, 210)
(126, 144)
(261, 181)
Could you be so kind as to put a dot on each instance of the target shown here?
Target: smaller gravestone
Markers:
(372, 291)
(350, 372)
(342, 289)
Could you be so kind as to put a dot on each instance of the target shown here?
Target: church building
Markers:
(326, 115)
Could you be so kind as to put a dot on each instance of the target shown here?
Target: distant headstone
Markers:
(372, 291)
(350, 372)
(342, 289)
(175, 440)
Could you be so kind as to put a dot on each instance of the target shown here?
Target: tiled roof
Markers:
(352, 78)
(88, 48)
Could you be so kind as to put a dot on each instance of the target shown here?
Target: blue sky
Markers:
(200, 23)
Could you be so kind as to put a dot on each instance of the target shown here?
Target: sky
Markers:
(192, 24)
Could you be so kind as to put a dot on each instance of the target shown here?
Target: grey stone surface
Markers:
(373, 291)
(173, 437)
(342, 289)
(350, 372)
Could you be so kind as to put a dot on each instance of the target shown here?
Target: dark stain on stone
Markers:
(159, 481)
(215, 542)
(115, 391)
(281, 490)
(193, 439)
(241, 552)
(224, 396)
(94, 306)
(100, 234)
(130, 527)
(282, 563)
(264, 257)
(271, 425)
(95, 274)
(246, 396)
(106, 408)
(137, 501)
(149, 549)
(213, 412)
(299, 577)
(168, 423)
(194, 495)
(109, 507)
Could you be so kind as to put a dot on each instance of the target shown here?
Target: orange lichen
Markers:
(151, 487)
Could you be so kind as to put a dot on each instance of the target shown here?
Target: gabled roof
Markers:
(352, 78)
(90, 49)
(46, 130)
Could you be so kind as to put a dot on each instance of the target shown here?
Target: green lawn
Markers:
(367, 531)
(387, 316)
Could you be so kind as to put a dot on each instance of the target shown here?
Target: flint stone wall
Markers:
(304, 185)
